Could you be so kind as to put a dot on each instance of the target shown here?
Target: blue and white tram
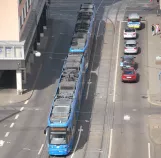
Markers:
(65, 107)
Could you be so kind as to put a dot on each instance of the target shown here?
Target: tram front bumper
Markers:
(58, 151)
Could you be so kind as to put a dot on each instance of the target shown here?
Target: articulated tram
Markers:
(66, 104)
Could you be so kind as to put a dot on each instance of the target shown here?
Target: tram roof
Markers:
(66, 91)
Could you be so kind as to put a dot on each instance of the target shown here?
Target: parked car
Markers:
(127, 61)
(129, 33)
(129, 75)
(134, 21)
(130, 47)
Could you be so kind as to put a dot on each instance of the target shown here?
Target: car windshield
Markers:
(130, 45)
(57, 138)
(129, 30)
(128, 72)
(135, 20)
(128, 59)
(127, 63)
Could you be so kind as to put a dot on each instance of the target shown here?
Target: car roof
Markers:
(130, 42)
(133, 16)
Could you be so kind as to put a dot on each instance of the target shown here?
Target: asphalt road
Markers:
(130, 126)
(23, 133)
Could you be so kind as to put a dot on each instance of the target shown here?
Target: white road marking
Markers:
(126, 117)
(16, 117)
(40, 149)
(21, 108)
(1, 143)
(7, 134)
(118, 49)
(10, 101)
(26, 101)
(110, 145)
(80, 131)
(26, 149)
(149, 153)
(12, 124)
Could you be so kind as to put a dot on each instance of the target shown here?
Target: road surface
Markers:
(106, 132)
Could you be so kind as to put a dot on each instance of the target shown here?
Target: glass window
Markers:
(128, 72)
(130, 45)
(26, 8)
(24, 14)
(20, 1)
(57, 138)
(27, 5)
(2, 52)
(20, 22)
(29, 2)
(18, 52)
(9, 52)
(22, 17)
(135, 20)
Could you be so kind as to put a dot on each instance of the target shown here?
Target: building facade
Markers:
(22, 22)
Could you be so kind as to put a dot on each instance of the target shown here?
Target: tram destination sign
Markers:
(58, 129)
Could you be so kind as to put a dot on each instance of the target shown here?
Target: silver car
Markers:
(134, 21)
(130, 47)
(129, 33)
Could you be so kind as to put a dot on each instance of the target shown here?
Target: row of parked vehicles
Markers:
(128, 64)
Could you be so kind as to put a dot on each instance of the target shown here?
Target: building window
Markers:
(20, 21)
(20, 1)
(2, 52)
(29, 3)
(26, 6)
(24, 15)
(18, 52)
(9, 52)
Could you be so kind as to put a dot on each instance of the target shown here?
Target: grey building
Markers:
(22, 23)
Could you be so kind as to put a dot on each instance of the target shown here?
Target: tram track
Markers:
(97, 30)
(111, 55)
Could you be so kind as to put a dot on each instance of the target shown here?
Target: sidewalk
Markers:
(154, 92)
(154, 49)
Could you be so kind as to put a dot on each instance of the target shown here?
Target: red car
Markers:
(129, 75)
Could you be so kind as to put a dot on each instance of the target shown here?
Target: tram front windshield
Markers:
(57, 138)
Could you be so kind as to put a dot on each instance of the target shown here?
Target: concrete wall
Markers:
(9, 21)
